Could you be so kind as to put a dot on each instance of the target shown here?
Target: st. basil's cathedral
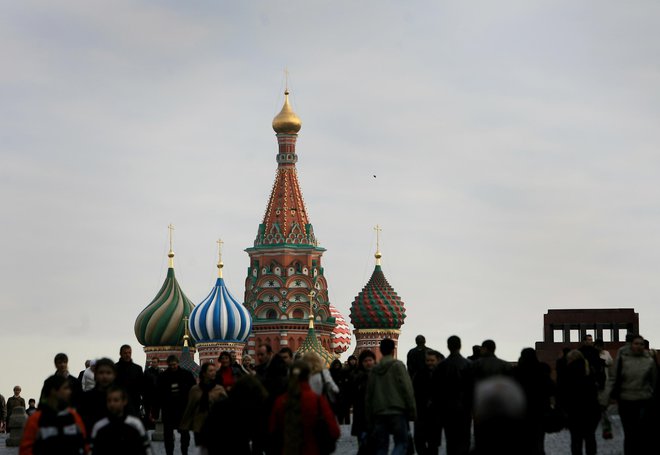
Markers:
(285, 301)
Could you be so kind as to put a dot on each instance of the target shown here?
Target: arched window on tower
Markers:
(271, 314)
(298, 314)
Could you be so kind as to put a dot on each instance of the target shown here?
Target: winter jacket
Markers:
(173, 388)
(194, 416)
(638, 375)
(53, 432)
(123, 435)
(389, 390)
(13, 402)
(311, 405)
(316, 383)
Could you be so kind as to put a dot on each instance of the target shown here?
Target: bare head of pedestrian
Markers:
(637, 344)
(173, 362)
(264, 353)
(454, 344)
(126, 353)
(387, 346)
(367, 359)
(420, 340)
(104, 373)
(17, 391)
(61, 364)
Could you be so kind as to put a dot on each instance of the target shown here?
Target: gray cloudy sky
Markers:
(514, 143)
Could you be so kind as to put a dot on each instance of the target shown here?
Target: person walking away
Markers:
(390, 402)
(273, 374)
(488, 364)
(320, 379)
(200, 399)
(15, 401)
(295, 414)
(94, 403)
(173, 386)
(453, 388)
(539, 390)
(633, 386)
(55, 428)
(87, 377)
(428, 427)
(3, 414)
(235, 415)
(578, 395)
(342, 407)
(366, 362)
(416, 358)
(119, 432)
(131, 377)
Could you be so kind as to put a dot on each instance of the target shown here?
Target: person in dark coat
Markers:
(366, 362)
(93, 404)
(341, 406)
(416, 359)
(578, 396)
(453, 387)
(149, 394)
(538, 387)
(62, 369)
(228, 373)
(235, 415)
(428, 428)
(488, 364)
(119, 432)
(273, 374)
(173, 386)
(131, 378)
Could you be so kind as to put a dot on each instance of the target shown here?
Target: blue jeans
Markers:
(395, 425)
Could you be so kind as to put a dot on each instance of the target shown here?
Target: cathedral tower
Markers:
(285, 261)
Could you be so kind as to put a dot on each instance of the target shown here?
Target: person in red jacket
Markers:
(54, 428)
(294, 420)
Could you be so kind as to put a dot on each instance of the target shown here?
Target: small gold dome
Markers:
(286, 121)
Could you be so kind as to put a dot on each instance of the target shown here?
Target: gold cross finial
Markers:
(286, 81)
(185, 331)
(378, 230)
(311, 308)
(220, 264)
(170, 228)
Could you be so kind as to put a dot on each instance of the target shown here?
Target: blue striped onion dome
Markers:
(220, 317)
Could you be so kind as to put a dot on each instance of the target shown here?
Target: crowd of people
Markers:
(289, 404)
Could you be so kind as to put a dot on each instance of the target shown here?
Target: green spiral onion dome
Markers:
(161, 323)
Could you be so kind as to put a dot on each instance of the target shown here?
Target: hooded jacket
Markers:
(389, 390)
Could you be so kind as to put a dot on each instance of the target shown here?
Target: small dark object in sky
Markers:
(374, 175)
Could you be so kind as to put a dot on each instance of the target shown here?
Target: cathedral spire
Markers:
(378, 229)
(170, 255)
(220, 264)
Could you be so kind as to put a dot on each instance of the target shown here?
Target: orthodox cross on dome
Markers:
(286, 79)
(311, 308)
(220, 264)
(170, 255)
(378, 230)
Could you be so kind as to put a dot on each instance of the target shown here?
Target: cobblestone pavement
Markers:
(555, 444)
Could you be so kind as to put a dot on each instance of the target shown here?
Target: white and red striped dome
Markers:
(341, 335)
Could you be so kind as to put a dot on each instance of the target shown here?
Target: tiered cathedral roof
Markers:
(311, 342)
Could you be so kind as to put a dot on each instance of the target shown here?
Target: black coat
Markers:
(173, 388)
(131, 378)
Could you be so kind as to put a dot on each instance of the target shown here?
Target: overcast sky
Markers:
(514, 144)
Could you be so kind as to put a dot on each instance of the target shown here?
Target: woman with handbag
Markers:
(302, 421)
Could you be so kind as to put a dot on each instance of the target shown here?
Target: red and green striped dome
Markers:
(161, 323)
(377, 306)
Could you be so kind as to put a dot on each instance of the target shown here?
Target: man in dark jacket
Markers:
(272, 372)
(416, 359)
(428, 427)
(149, 393)
(452, 400)
(390, 401)
(173, 387)
(488, 365)
(131, 378)
(61, 361)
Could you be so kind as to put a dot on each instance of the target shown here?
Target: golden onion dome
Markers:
(286, 121)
